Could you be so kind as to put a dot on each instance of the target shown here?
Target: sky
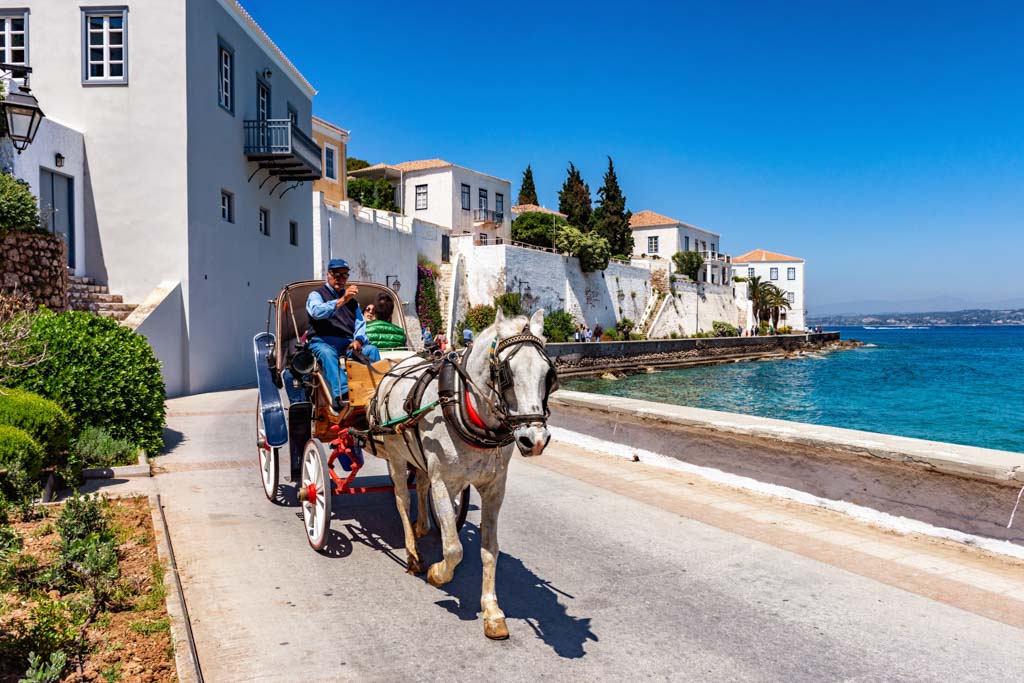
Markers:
(882, 142)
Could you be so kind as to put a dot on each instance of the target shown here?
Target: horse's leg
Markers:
(491, 496)
(442, 572)
(422, 513)
(398, 476)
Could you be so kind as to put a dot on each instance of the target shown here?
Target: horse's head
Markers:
(524, 377)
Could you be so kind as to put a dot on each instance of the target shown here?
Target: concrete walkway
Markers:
(609, 570)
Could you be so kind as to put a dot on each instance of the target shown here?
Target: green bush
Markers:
(95, 447)
(688, 263)
(786, 329)
(480, 317)
(104, 374)
(19, 451)
(763, 328)
(635, 336)
(18, 208)
(591, 249)
(538, 229)
(625, 326)
(510, 304)
(42, 418)
(724, 329)
(559, 326)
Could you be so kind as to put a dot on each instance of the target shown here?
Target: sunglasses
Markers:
(339, 273)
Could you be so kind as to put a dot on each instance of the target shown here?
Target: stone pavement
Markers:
(609, 569)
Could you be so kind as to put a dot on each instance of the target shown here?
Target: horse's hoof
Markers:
(495, 629)
(434, 576)
(414, 564)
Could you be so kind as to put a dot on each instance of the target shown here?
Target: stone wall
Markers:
(571, 351)
(694, 308)
(36, 265)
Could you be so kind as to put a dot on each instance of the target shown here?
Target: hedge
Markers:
(19, 449)
(42, 418)
(103, 374)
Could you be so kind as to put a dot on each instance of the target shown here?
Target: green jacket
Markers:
(385, 335)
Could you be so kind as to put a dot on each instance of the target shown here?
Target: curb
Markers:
(186, 660)
(140, 470)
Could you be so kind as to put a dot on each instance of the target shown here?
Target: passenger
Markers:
(380, 330)
(369, 313)
(337, 326)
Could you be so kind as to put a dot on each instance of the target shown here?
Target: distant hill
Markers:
(1013, 316)
(927, 305)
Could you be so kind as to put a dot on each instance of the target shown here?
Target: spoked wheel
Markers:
(315, 495)
(269, 470)
(461, 507)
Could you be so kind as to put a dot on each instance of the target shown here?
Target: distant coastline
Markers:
(965, 318)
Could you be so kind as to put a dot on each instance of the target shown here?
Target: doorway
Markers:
(57, 207)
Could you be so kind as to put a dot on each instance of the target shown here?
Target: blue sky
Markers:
(882, 142)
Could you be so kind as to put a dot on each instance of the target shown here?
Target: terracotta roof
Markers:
(533, 208)
(644, 218)
(765, 256)
(249, 22)
(422, 165)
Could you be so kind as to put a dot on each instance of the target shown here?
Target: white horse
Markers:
(452, 464)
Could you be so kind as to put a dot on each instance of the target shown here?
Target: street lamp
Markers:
(392, 282)
(21, 109)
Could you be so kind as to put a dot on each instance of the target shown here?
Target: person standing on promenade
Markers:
(597, 332)
(428, 338)
(589, 335)
(467, 336)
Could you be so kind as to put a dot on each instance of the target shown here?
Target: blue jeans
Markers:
(329, 356)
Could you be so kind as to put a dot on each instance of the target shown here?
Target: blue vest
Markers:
(341, 324)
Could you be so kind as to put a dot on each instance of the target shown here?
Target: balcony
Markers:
(485, 217)
(283, 150)
(716, 256)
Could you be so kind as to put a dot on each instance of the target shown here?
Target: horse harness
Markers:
(454, 389)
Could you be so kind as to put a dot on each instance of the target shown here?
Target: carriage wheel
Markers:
(267, 457)
(461, 507)
(316, 503)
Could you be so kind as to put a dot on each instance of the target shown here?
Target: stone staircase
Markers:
(84, 294)
(444, 289)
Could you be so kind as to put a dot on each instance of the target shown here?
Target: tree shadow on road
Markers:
(521, 595)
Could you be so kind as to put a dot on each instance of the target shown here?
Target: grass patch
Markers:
(157, 591)
(150, 627)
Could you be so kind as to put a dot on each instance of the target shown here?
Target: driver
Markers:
(337, 326)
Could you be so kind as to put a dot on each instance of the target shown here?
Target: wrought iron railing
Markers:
(487, 216)
(281, 137)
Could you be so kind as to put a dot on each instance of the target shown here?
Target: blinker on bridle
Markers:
(502, 380)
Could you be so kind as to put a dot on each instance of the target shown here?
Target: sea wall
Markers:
(37, 266)
(964, 488)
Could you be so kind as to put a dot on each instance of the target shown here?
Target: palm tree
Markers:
(757, 294)
(775, 301)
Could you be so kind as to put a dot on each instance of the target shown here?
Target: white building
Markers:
(785, 272)
(658, 236)
(195, 152)
(439, 192)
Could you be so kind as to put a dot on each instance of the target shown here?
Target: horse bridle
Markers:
(502, 381)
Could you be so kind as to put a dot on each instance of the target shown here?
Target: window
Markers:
(421, 197)
(226, 78)
(105, 46)
(14, 37)
(686, 243)
(330, 154)
(712, 246)
(227, 206)
(264, 222)
(482, 202)
(791, 296)
(262, 101)
(465, 198)
(499, 204)
(790, 273)
(774, 274)
(483, 238)
(293, 116)
(750, 272)
(652, 245)
(293, 233)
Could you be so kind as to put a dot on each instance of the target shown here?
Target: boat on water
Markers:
(897, 327)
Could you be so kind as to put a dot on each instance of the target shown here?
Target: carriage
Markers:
(300, 440)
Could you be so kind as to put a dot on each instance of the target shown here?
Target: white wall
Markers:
(694, 308)
(671, 238)
(555, 282)
(796, 317)
(444, 199)
(51, 139)
(161, 319)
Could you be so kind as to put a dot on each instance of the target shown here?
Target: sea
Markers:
(961, 385)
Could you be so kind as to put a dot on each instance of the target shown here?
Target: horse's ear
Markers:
(537, 323)
(498, 316)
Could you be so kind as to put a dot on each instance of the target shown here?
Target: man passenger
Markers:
(337, 326)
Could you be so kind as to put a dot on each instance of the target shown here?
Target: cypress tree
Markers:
(574, 200)
(611, 219)
(527, 191)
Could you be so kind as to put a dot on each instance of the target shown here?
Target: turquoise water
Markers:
(957, 384)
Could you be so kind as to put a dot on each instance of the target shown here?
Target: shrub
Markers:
(95, 447)
(510, 304)
(702, 335)
(18, 208)
(635, 336)
(19, 451)
(480, 317)
(427, 307)
(559, 326)
(688, 263)
(763, 328)
(625, 326)
(611, 335)
(538, 229)
(104, 374)
(786, 329)
(42, 418)
(724, 329)
(673, 335)
(591, 249)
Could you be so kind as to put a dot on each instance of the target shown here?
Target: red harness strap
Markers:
(474, 417)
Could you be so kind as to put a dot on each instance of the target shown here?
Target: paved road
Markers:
(595, 584)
